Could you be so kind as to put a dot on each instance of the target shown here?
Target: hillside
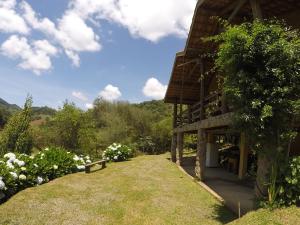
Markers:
(9, 107)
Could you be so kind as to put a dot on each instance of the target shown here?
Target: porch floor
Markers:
(227, 185)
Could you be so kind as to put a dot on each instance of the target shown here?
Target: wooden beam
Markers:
(188, 62)
(256, 10)
(173, 148)
(200, 2)
(201, 155)
(239, 5)
(244, 151)
(175, 115)
(202, 90)
(179, 149)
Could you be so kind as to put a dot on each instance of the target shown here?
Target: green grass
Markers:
(146, 190)
(286, 216)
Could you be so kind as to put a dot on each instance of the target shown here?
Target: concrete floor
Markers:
(234, 191)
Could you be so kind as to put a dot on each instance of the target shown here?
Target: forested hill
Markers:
(12, 108)
(9, 107)
(157, 107)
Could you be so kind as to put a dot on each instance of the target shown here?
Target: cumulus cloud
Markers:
(140, 17)
(71, 32)
(154, 89)
(10, 21)
(79, 95)
(110, 93)
(34, 56)
(74, 32)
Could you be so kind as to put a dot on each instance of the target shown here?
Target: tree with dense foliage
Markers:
(16, 135)
(260, 67)
(70, 128)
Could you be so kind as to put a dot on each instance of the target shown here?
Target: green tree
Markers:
(260, 64)
(73, 129)
(16, 135)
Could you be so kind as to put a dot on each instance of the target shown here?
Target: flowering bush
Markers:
(19, 171)
(117, 153)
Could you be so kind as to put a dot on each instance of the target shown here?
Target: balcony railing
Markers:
(213, 105)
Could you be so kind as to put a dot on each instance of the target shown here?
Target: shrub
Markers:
(19, 171)
(117, 153)
(16, 135)
(289, 186)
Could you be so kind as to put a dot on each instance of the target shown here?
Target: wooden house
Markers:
(199, 106)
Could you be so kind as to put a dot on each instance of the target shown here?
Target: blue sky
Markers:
(81, 49)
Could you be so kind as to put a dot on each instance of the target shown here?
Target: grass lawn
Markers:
(146, 190)
(288, 216)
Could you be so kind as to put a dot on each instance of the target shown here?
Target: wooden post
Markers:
(224, 105)
(201, 155)
(179, 149)
(175, 115)
(256, 10)
(189, 114)
(173, 148)
(244, 150)
(202, 90)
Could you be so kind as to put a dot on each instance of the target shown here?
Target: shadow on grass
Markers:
(223, 214)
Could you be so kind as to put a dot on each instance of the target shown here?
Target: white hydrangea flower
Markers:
(115, 157)
(19, 162)
(23, 168)
(76, 158)
(2, 185)
(119, 152)
(108, 158)
(14, 175)
(88, 161)
(10, 165)
(81, 167)
(87, 157)
(35, 165)
(39, 180)
(31, 157)
(68, 152)
(46, 149)
(22, 177)
(10, 155)
(55, 167)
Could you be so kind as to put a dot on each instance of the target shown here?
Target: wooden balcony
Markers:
(213, 105)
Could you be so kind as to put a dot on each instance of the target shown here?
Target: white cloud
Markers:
(79, 95)
(34, 57)
(71, 32)
(151, 20)
(110, 93)
(154, 89)
(10, 21)
(75, 31)
(89, 105)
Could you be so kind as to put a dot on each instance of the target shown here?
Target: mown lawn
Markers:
(146, 190)
(287, 216)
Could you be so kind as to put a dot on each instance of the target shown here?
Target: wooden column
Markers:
(201, 155)
(175, 115)
(256, 10)
(173, 148)
(202, 90)
(179, 149)
(244, 151)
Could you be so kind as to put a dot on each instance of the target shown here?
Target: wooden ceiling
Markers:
(184, 85)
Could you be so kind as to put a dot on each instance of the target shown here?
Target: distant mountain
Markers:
(9, 107)
(12, 108)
